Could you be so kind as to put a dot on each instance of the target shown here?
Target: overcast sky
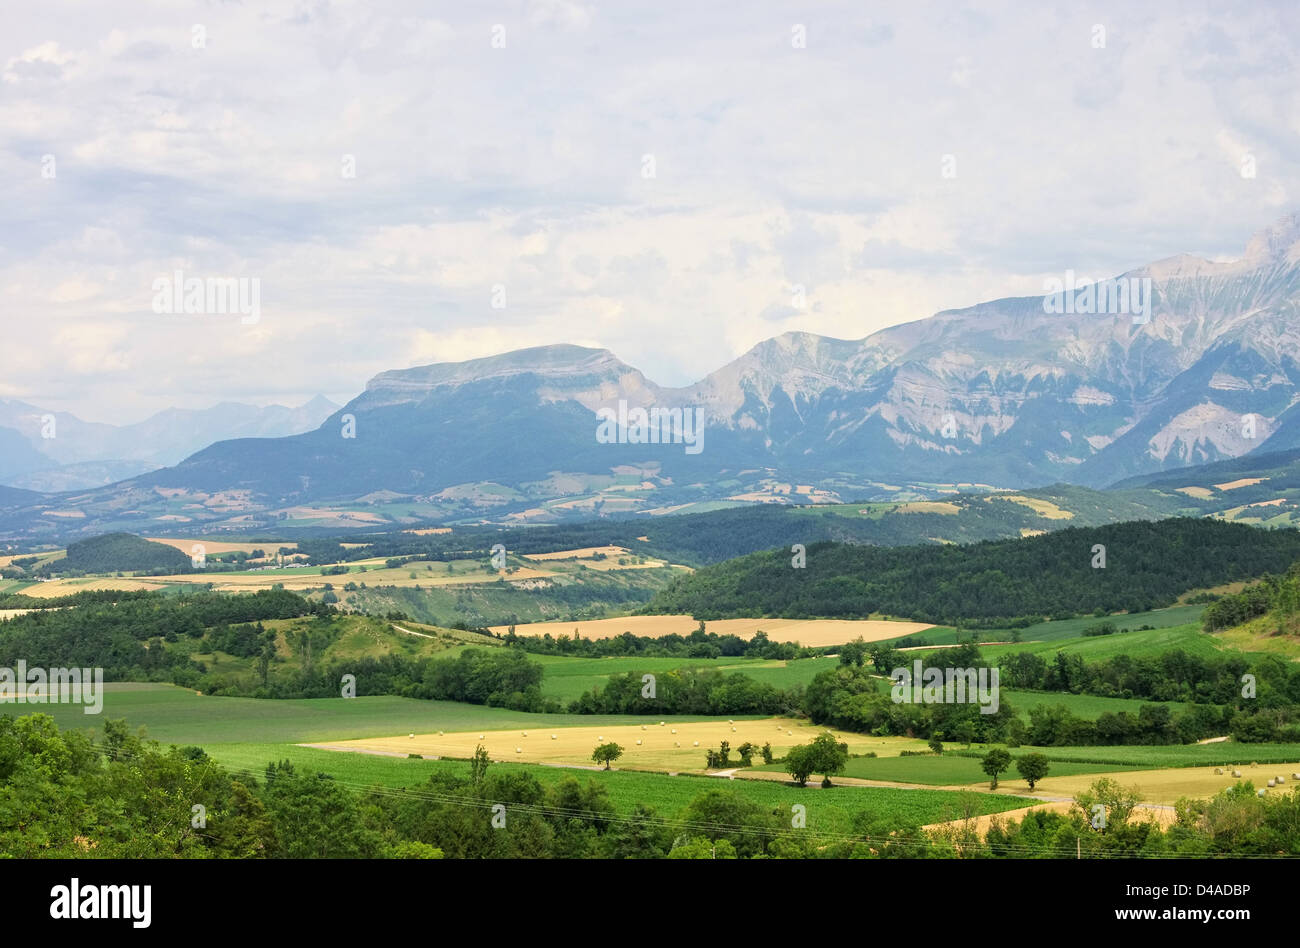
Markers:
(512, 144)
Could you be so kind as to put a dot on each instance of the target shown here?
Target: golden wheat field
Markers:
(810, 632)
(1163, 786)
(660, 748)
(214, 547)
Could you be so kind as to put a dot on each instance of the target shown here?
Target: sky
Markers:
(416, 182)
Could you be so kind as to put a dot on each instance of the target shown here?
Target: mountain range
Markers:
(51, 451)
(1013, 393)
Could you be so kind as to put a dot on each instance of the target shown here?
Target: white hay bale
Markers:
(1295, 776)
(440, 733)
(1219, 771)
(643, 727)
(1280, 780)
(661, 723)
(638, 742)
(1272, 782)
(697, 743)
(554, 738)
(1261, 792)
(480, 737)
(601, 738)
(1236, 773)
(733, 728)
(525, 733)
(789, 733)
(412, 734)
(519, 750)
(674, 730)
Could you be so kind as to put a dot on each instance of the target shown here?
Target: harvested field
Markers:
(810, 632)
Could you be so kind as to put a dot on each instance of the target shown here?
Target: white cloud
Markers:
(521, 166)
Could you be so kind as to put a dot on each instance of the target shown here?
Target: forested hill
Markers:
(120, 551)
(1147, 565)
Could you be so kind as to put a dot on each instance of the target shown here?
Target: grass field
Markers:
(567, 678)
(1090, 707)
(1073, 628)
(178, 716)
(947, 770)
(828, 810)
(1170, 755)
(1152, 642)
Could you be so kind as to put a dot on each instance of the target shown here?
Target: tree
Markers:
(1033, 767)
(994, 763)
(1117, 803)
(824, 755)
(607, 753)
(853, 653)
(798, 764)
(964, 732)
(478, 765)
(936, 744)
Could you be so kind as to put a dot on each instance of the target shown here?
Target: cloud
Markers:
(476, 165)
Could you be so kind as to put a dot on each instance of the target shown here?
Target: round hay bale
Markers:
(1219, 771)
(697, 743)
(643, 727)
(1261, 792)
(412, 735)
(519, 750)
(525, 733)
(601, 738)
(661, 723)
(1280, 780)
(674, 730)
(554, 737)
(1272, 782)
(733, 728)
(1236, 773)
(1295, 776)
(638, 742)
(480, 737)
(677, 743)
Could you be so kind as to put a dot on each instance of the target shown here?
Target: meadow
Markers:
(175, 715)
(828, 810)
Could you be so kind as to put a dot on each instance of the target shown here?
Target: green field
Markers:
(1073, 628)
(1089, 707)
(948, 770)
(1150, 643)
(828, 810)
(175, 715)
(1169, 755)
